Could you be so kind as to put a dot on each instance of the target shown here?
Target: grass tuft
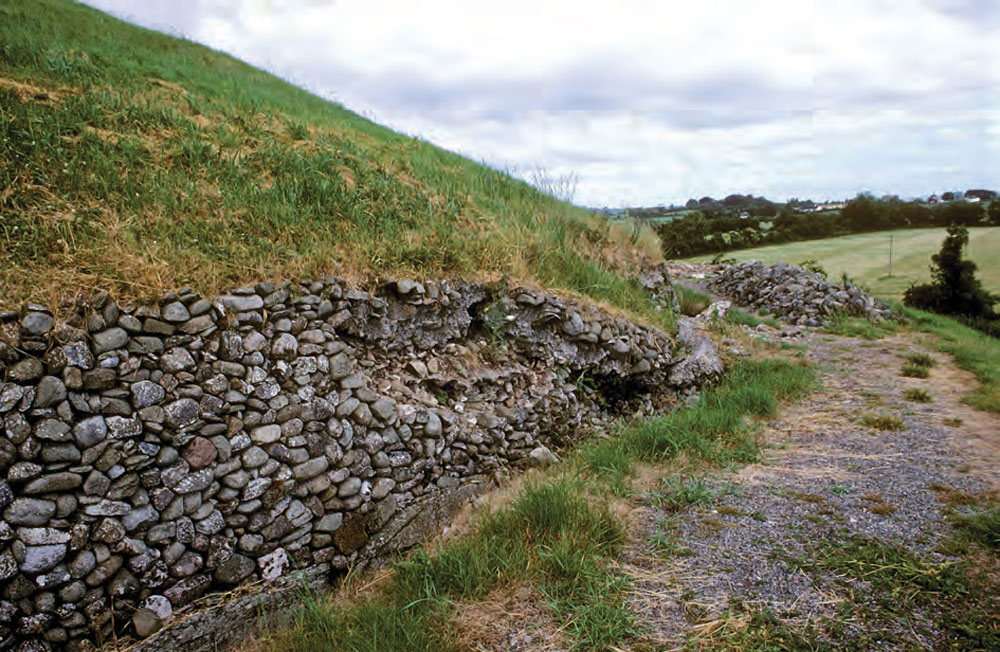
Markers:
(911, 370)
(691, 302)
(918, 395)
(888, 422)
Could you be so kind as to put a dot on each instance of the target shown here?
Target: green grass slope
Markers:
(865, 257)
(138, 162)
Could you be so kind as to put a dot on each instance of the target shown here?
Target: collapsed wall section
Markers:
(155, 454)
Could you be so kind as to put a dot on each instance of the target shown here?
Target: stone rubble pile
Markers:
(796, 295)
(151, 454)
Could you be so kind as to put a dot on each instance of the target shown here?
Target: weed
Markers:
(953, 422)
(917, 395)
(691, 302)
(840, 489)
(807, 497)
(666, 542)
(847, 326)
(911, 370)
(888, 422)
(677, 493)
(759, 631)
(920, 359)
(904, 587)
(495, 318)
(744, 318)
(981, 524)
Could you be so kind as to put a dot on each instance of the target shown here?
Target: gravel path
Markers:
(824, 476)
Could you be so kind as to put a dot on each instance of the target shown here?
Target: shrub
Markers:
(955, 289)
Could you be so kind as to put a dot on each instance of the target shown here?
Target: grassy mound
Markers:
(139, 162)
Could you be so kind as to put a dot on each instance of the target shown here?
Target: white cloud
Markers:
(649, 101)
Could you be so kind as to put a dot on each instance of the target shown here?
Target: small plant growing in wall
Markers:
(494, 318)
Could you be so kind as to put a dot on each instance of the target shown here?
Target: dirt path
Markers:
(826, 477)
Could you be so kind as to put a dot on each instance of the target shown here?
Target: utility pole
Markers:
(890, 255)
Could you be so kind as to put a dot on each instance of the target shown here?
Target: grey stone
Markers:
(30, 511)
(273, 565)
(123, 428)
(90, 431)
(107, 508)
(310, 468)
(140, 517)
(175, 360)
(285, 347)
(26, 370)
(174, 312)
(433, 427)
(146, 393)
(19, 472)
(235, 569)
(340, 366)
(38, 559)
(254, 457)
(349, 487)
(146, 623)
(78, 355)
(53, 430)
(53, 482)
(196, 481)
(182, 412)
(242, 303)
(266, 434)
(42, 536)
(50, 390)
(110, 339)
(384, 409)
(37, 323)
(8, 566)
(542, 456)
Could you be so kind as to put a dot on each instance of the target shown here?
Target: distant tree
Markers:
(706, 200)
(948, 196)
(691, 204)
(955, 289)
(735, 200)
(960, 212)
(861, 214)
(993, 213)
(984, 195)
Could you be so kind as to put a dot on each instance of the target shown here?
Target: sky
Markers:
(644, 102)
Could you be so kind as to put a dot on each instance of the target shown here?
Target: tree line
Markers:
(698, 233)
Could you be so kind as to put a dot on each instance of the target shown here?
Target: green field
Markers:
(865, 257)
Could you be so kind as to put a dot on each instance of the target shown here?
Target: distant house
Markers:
(744, 215)
(933, 199)
(972, 199)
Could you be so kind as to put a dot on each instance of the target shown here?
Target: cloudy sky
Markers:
(648, 102)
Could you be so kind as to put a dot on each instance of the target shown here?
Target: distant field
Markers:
(865, 257)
